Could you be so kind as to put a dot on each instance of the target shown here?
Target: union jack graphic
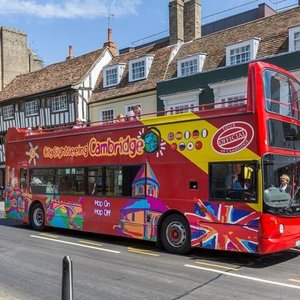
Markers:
(224, 227)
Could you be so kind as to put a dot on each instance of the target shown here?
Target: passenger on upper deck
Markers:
(29, 131)
(79, 124)
(120, 118)
(39, 129)
(134, 113)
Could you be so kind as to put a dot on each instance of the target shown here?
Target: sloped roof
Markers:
(52, 77)
(273, 32)
(161, 52)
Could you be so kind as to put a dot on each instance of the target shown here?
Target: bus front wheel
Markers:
(37, 217)
(175, 234)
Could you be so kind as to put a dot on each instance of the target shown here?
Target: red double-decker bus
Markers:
(223, 178)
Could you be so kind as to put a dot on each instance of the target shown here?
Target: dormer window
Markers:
(294, 38)
(190, 65)
(113, 75)
(139, 68)
(242, 52)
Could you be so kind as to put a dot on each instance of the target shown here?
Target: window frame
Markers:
(253, 45)
(231, 191)
(199, 58)
(32, 108)
(146, 62)
(58, 176)
(119, 68)
(11, 109)
(292, 32)
(60, 98)
(107, 120)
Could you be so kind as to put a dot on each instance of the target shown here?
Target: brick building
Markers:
(15, 56)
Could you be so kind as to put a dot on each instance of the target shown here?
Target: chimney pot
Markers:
(110, 44)
(70, 53)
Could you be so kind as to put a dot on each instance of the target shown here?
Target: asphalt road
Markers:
(115, 268)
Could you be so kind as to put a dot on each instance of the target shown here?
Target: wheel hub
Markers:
(176, 234)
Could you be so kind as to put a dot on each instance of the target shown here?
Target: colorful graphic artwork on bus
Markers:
(153, 141)
(139, 217)
(63, 214)
(17, 204)
(187, 140)
(224, 227)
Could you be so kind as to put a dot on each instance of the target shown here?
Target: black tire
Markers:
(176, 234)
(37, 217)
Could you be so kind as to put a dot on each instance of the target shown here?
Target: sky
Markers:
(52, 25)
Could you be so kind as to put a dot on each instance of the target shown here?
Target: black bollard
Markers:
(67, 279)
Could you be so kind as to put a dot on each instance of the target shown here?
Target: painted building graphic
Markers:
(139, 217)
(145, 178)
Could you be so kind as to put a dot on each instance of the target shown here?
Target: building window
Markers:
(31, 108)
(229, 93)
(181, 102)
(233, 100)
(242, 52)
(59, 103)
(8, 112)
(107, 115)
(240, 55)
(294, 38)
(139, 68)
(181, 108)
(113, 75)
(190, 65)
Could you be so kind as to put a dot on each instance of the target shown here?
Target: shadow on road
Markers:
(237, 259)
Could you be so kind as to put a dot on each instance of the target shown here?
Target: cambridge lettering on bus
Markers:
(129, 146)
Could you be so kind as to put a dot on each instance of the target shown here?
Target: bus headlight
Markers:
(281, 228)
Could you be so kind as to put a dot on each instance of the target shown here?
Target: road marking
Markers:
(245, 277)
(141, 251)
(295, 280)
(48, 235)
(75, 244)
(90, 243)
(216, 265)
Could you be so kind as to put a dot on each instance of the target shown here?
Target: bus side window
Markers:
(234, 181)
(23, 177)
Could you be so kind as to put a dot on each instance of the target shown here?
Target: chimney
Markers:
(176, 14)
(110, 44)
(192, 20)
(70, 53)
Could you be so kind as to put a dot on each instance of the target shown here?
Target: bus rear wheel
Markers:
(37, 217)
(175, 234)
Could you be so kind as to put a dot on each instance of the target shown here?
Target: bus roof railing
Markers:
(213, 109)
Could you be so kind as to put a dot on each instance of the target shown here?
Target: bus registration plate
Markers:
(298, 244)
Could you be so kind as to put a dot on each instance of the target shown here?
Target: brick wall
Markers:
(15, 57)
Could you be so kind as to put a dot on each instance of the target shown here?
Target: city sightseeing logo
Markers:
(232, 137)
(124, 146)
